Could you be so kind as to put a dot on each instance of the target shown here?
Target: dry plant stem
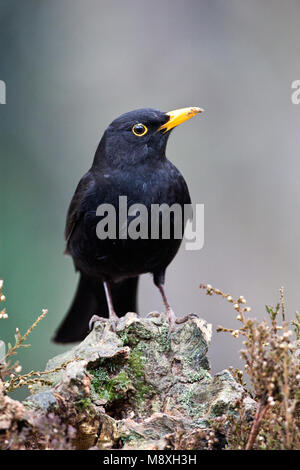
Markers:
(271, 357)
(286, 388)
(282, 303)
(21, 339)
(34, 377)
(286, 394)
(260, 413)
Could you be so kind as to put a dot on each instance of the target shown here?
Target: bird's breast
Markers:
(129, 247)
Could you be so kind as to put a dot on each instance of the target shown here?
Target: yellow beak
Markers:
(178, 116)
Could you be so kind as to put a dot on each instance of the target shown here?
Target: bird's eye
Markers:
(139, 129)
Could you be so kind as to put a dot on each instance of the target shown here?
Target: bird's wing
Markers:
(75, 211)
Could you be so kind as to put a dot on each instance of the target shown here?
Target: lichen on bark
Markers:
(134, 388)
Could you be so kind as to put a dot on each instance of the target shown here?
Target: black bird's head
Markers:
(140, 135)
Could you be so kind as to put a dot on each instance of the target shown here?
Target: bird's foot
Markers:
(94, 319)
(153, 315)
(113, 317)
(177, 321)
(186, 318)
(114, 320)
(172, 321)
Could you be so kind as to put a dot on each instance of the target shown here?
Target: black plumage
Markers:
(132, 164)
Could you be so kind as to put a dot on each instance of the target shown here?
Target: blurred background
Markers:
(72, 66)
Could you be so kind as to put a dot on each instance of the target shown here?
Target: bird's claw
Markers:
(94, 320)
(114, 320)
(113, 325)
(153, 315)
(177, 321)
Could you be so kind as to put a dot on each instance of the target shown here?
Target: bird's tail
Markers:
(90, 300)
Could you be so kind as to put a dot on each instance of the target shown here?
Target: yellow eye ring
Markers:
(139, 129)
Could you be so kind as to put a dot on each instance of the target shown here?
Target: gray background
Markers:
(72, 66)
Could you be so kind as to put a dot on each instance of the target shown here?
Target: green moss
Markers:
(100, 376)
(109, 388)
(83, 404)
(133, 333)
(188, 400)
(143, 391)
(136, 363)
(120, 382)
(111, 364)
(113, 378)
(137, 374)
(162, 340)
(196, 376)
(128, 337)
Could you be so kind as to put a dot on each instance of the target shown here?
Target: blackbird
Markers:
(130, 161)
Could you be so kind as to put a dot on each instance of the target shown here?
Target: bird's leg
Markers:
(113, 317)
(153, 315)
(170, 313)
(112, 314)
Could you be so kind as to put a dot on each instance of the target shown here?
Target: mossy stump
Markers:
(134, 388)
